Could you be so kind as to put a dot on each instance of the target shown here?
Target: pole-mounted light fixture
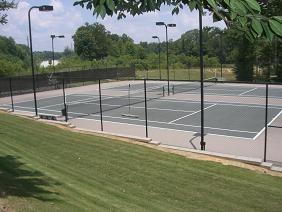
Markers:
(43, 8)
(167, 58)
(159, 47)
(53, 53)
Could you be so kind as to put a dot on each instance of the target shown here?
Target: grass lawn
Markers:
(44, 168)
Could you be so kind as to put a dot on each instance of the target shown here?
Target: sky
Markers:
(66, 19)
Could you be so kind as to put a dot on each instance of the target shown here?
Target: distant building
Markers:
(47, 63)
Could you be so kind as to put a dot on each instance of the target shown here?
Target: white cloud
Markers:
(65, 19)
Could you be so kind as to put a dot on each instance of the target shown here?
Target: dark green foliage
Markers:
(92, 41)
(4, 6)
(15, 58)
(244, 60)
(245, 15)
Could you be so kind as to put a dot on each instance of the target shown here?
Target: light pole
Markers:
(167, 61)
(221, 53)
(53, 53)
(159, 47)
(201, 54)
(43, 8)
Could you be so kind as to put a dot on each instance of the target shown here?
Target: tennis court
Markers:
(241, 118)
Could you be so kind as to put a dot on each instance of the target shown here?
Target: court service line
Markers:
(163, 128)
(262, 130)
(219, 103)
(248, 91)
(158, 122)
(32, 98)
(222, 89)
(74, 102)
(149, 108)
(167, 123)
(191, 114)
(222, 129)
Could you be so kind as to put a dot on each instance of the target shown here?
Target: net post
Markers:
(101, 109)
(266, 121)
(117, 73)
(65, 103)
(129, 103)
(163, 91)
(11, 94)
(189, 71)
(146, 110)
(172, 89)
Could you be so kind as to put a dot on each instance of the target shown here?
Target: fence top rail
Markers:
(216, 81)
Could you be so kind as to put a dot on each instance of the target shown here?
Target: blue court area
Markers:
(221, 118)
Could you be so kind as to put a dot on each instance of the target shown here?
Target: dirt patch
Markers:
(4, 207)
(186, 154)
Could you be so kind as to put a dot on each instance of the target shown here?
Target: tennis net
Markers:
(192, 86)
(84, 104)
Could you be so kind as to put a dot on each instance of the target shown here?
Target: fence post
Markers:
(11, 92)
(65, 104)
(101, 109)
(266, 122)
(146, 111)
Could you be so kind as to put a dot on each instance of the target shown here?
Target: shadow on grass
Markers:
(20, 182)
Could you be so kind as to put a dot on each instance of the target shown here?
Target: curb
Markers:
(54, 122)
(249, 160)
(136, 138)
(276, 168)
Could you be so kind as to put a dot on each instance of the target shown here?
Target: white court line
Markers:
(191, 114)
(177, 130)
(254, 138)
(160, 122)
(185, 125)
(38, 109)
(149, 108)
(74, 102)
(221, 89)
(218, 94)
(32, 100)
(274, 97)
(275, 118)
(218, 103)
(248, 91)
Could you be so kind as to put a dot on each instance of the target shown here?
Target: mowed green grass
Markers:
(44, 168)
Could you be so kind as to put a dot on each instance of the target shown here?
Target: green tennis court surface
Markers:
(221, 118)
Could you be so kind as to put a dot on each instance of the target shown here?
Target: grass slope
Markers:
(44, 168)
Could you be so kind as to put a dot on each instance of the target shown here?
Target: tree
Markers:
(92, 41)
(269, 54)
(245, 15)
(244, 60)
(4, 6)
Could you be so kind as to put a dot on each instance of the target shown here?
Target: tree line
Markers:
(92, 42)
(95, 46)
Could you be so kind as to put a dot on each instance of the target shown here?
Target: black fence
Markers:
(50, 81)
(233, 110)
